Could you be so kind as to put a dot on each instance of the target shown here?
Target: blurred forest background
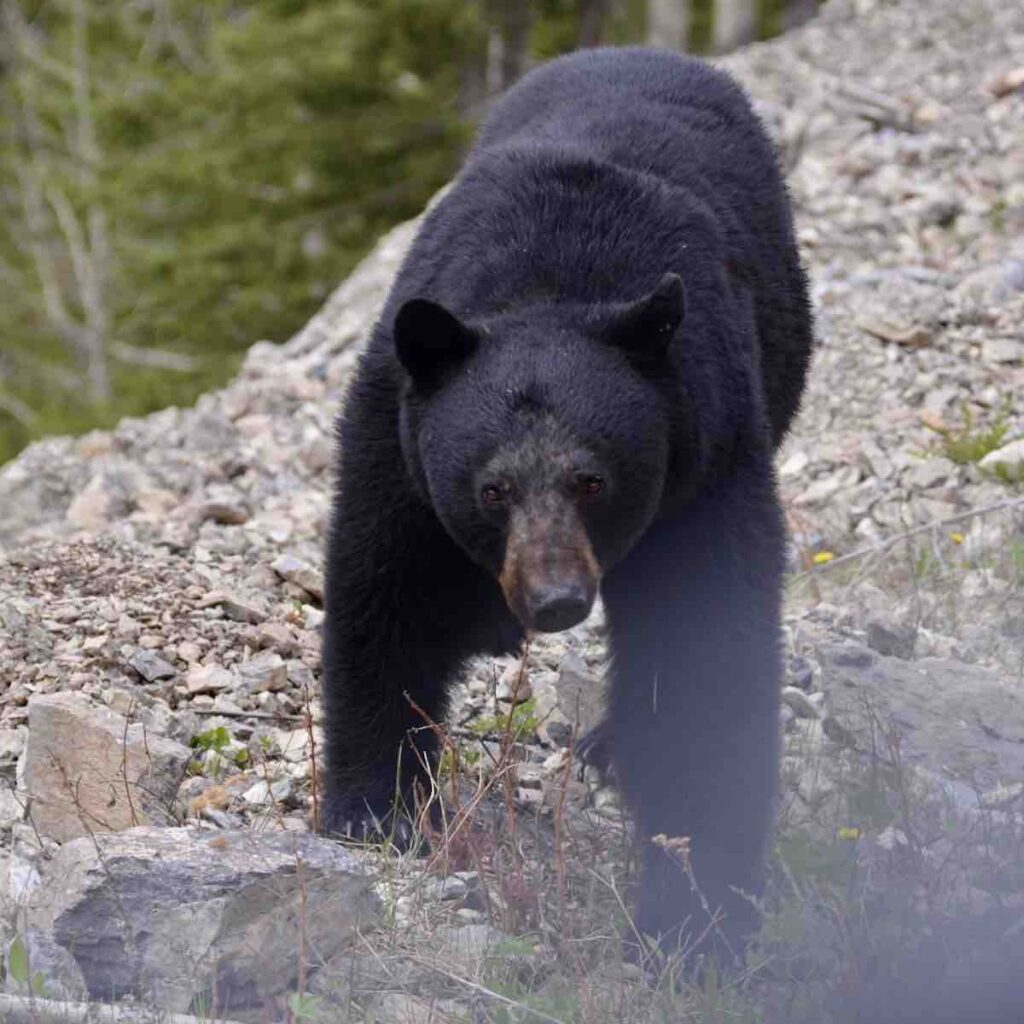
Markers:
(179, 179)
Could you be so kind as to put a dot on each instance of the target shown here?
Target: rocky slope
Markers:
(165, 575)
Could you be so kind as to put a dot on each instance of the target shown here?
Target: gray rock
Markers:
(1002, 350)
(800, 702)
(469, 945)
(265, 672)
(929, 473)
(236, 608)
(208, 679)
(12, 809)
(580, 695)
(890, 637)
(954, 720)
(225, 513)
(180, 917)
(302, 574)
(514, 684)
(12, 743)
(1009, 459)
(260, 794)
(993, 284)
(151, 666)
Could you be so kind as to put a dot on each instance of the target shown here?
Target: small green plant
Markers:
(213, 739)
(524, 721)
(997, 216)
(1009, 475)
(215, 744)
(19, 971)
(303, 1007)
(968, 444)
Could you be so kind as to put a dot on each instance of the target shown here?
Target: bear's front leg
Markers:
(694, 612)
(404, 608)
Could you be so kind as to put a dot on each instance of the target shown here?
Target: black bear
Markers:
(578, 380)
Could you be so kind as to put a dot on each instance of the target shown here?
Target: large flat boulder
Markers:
(960, 722)
(184, 919)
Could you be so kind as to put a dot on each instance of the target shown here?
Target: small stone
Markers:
(1007, 82)
(151, 666)
(234, 608)
(262, 795)
(12, 810)
(301, 573)
(891, 837)
(801, 673)
(223, 512)
(449, 888)
(12, 743)
(293, 744)
(555, 764)
(1007, 460)
(1002, 797)
(794, 465)
(189, 651)
(800, 702)
(890, 638)
(531, 799)
(264, 672)
(91, 509)
(905, 335)
(514, 684)
(529, 775)
(929, 473)
(1002, 350)
(208, 679)
(470, 944)
(850, 654)
(278, 637)
(838, 733)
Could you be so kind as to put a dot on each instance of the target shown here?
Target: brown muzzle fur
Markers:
(550, 575)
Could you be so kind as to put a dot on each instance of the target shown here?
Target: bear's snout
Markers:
(550, 575)
(560, 608)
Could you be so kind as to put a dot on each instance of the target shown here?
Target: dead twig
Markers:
(938, 524)
(484, 990)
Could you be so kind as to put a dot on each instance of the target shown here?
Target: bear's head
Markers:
(542, 437)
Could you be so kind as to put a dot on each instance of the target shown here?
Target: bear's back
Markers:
(652, 111)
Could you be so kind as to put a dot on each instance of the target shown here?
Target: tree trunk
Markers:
(735, 23)
(508, 44)
(668, 23)
(592, 14)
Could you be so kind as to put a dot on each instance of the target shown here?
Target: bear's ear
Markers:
(430, 340)
(647, 325)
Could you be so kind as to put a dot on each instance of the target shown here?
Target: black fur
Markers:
(593, 179)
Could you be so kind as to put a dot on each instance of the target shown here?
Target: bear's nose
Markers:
(559, 608)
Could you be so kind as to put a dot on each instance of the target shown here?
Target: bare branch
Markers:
(17, 409)
(158, 358)
(21, 38)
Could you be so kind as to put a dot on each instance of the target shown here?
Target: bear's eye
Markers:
(589, 484)
(493, 494)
